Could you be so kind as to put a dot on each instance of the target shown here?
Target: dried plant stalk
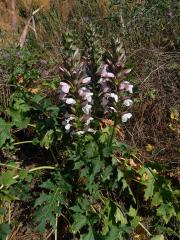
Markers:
(23, 36)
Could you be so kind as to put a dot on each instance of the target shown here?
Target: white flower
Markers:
(70, 101)
(66, 121)
(127, 71)
(101, 80)
(104, 102)
(113, 95)
(62, 96)
(80, 132)
(104, 85)
(70, 119)
(82, 91)
(126, 86)
(89, 120)
(130, 88)
(91, 130)
(106, 89)
(86, 80)
(112, 108)
(68, 126)
(125, 117)
(87, 108)
(127, 102)
(85, 94)
(105, 73)
(122, 86)
(64, 87)
(88, 97)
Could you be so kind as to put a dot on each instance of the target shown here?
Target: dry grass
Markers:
(156, 70)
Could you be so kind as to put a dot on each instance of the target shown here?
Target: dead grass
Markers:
(156, 70)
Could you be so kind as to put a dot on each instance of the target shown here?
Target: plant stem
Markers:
(31, 170)
(32, 125)
(149, 234)
(8, 165)
(56, 226)
(9, 213)
(55, 159)
(41, 168)
(24, 142)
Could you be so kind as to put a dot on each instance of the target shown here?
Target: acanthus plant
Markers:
(93, 86)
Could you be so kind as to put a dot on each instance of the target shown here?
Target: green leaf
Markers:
(132, 212)
(23, 174)
(18, 118)
(18, 112)
(149, 188)
(4, 231)
(126, 185)
(21, 105)
(157, 199)
(103, 138)
(178, 215)
(4, 131)
(158, 237)
(107, 151)
(119, 216)
(166, 211)
(88, 236)
(1, 211)
(113, 234)
(50, 201)
(169, 231)
(47, 206)
(42, 199)
(47, 139)
(79, 222)
(78, 165)
(177, 193)
(76, 209)
(6, 178)
(37, 98)
(5, 196)
(91, 150)
(120, 175)
(135, 221)
(35, 141)
(106, 174)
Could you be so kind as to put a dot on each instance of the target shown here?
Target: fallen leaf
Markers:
(19, 78)
(149, 148)
(33, 90)
(132, 163)
(174, 115)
